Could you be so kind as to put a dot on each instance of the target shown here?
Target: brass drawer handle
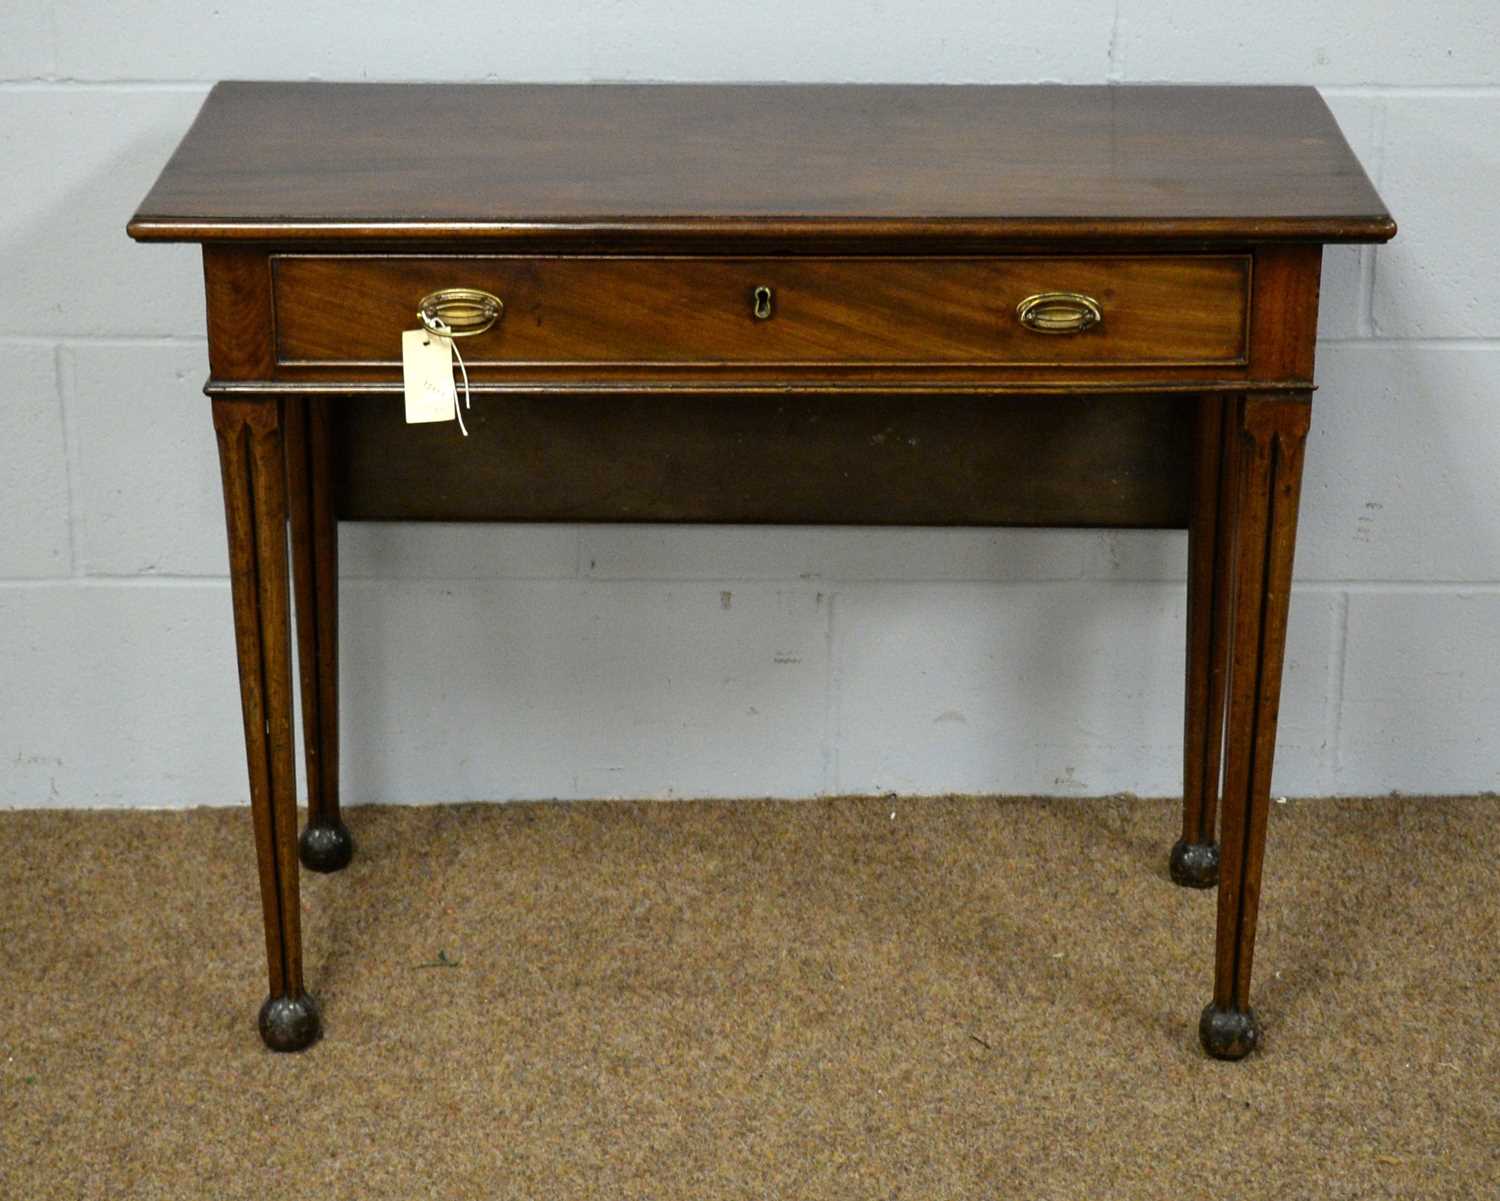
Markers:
(1059, 312)
(459, 312)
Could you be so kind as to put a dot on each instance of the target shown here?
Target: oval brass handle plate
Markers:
(1059, 312)
(459, 312)
(760, 302)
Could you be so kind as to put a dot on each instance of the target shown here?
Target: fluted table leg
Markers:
(1269, 435)
(250, 434)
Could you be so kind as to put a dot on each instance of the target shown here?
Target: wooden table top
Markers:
(456, 162)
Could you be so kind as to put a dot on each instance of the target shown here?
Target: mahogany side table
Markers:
(1084, 306)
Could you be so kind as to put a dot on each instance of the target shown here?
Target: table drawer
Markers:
(703, 313)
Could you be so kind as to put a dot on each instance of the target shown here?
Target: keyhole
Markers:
(762, 297)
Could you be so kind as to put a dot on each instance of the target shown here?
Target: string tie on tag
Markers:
(444, 331)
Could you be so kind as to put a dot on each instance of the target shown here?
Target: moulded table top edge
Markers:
(1372, 227)
(513, 163)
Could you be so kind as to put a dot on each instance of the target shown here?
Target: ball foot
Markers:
(1195, 864)
(290, 1023)
(326, 847)
(1228, 1033)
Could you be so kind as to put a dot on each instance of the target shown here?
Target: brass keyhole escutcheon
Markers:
(761, 303)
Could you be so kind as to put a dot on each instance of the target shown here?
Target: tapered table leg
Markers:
(1194, 861)
(252, 461)
(326, 845)
(1270, 434)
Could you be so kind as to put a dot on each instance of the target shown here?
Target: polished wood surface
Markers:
(294, 161)
(1210, 535)
(309, 443)
(331, 322)
(253, 466)
(671, 313)
(626, 229)
(831, 459)
(1267, 438)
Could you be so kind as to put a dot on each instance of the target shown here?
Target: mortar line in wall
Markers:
(121, 340)
(1382, 123)
(101, 583)
(1369, 258)
(1437, 587)
(62, 373)
(1335, 685)
(1039, 585)
(1442, 587)
(54, 40)
(815, 581)
(832, 709)
(777, 581)
(1365, 316)
(78, 84)
(1397, 91)
(711, 582)
(1388, 343)
(66, 84)
(102, 580)
(1114, 69)
(365, 581)
(708, 582)
(1413, 91)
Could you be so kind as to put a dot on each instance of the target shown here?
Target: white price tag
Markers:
(427, 369)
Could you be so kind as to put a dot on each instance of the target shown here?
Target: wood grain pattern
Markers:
(671, 313)
(237, 295)
(647, 325)
(251, 458)
(314, 552)
(1269, 436)
(1210, 535)
(603, 164)
(1284, 314)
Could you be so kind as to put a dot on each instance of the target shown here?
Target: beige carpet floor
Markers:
(857, 998)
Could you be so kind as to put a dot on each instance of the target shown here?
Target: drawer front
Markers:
(672, 313)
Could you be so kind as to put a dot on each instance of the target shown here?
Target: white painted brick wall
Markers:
(1351, 43)
(1437, 280)
(500, 662)
(37, 543)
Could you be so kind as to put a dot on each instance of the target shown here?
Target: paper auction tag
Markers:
(427, 370)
